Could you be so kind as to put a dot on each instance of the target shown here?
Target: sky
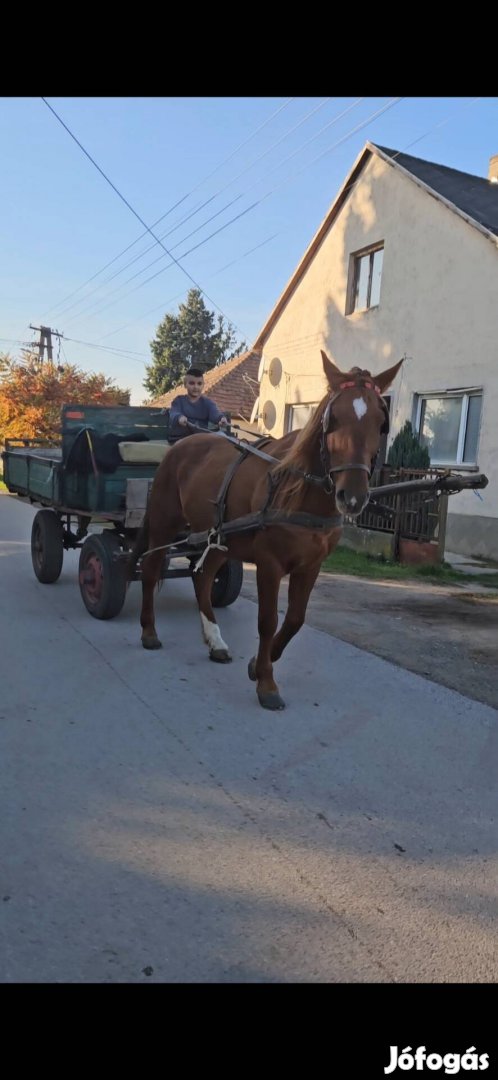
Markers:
(241, 185)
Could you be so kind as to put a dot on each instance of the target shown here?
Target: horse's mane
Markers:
(299, 456)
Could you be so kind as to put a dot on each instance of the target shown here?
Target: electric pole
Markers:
(45, 341)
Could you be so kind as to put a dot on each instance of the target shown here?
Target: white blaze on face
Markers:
(360, 407)
(212, 635)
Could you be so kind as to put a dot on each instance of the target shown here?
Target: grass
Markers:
(346, 561)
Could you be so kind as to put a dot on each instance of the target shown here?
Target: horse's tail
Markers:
(141, 544)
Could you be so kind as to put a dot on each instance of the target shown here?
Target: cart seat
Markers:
(143, 453)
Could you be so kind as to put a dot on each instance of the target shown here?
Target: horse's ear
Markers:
(331, 372)
(386, 377)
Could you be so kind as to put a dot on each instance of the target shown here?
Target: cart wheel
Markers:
(47, 548)
(102, 580)
(227, 583)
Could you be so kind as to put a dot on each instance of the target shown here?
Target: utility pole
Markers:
(45, 341)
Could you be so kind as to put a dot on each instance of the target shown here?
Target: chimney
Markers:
(493, 169)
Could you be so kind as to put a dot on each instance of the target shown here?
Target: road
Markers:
(159, 826)
(446, 632)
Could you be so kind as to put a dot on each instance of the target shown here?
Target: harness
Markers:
(351, 384)
(267, 516)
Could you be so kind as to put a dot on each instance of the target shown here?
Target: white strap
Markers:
(213, 541)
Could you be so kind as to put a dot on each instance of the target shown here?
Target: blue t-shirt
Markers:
(202, 412)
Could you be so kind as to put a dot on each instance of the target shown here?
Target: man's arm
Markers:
(175, 414)
(214, 414)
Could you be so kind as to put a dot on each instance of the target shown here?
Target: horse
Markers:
(289, 500)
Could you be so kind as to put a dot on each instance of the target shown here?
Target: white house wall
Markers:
(438, 306)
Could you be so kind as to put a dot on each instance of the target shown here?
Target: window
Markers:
(298, 416)
(448, 425)
(365, 277)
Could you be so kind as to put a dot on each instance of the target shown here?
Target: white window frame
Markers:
(355, 259)
(298, 405)
(463, 396)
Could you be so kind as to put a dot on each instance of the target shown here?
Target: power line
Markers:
(433, 128)
(127, 354)
(130, 263)
(15, 341)
(198, 208)
(178, 203)
(291, 176)
(134, 212)
(123, 352)
(408, 145)
(436, 126)
(166, 303)
(279, 164)
(298, 342)
(163, 269)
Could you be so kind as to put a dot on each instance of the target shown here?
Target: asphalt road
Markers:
(158, 826)
(446, 632)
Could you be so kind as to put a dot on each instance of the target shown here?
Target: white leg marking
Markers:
(360, 407)
(212, 635)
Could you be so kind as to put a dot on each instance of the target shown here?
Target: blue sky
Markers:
(62, 222)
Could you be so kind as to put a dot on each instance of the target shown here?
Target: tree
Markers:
(31, 395)
(406, 451)
(193, 338)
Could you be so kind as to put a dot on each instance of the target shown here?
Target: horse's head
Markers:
(354, 419)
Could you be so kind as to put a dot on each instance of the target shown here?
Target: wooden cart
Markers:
(99, 475)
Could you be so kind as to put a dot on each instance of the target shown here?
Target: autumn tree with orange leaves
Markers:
(32, 394)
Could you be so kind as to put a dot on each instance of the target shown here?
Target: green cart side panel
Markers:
(34, 472)
(105, 493)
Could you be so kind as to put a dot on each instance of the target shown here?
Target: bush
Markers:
(406, 451)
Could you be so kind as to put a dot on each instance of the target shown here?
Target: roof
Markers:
(475, 195)
(472, 197)
(233, 385)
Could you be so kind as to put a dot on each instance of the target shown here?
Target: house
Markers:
(405, 263)
(232, 385)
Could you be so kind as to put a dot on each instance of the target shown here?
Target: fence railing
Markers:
(417, 515)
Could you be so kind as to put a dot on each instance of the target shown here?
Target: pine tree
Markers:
(406, 451)
(193, 338)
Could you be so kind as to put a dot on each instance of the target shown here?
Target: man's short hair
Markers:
(197, 372)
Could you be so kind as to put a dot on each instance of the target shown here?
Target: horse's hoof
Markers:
(251, 669)
(151, 643)
(220, 656)
(271, 701)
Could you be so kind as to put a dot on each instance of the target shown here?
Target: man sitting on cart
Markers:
(194, 407)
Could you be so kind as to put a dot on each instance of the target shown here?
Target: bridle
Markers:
(365, 384)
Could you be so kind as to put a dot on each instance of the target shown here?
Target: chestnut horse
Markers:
(321, 473)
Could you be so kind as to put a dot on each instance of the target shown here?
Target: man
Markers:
(193, 406)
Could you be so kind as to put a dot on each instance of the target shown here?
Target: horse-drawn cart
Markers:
(100, 475)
